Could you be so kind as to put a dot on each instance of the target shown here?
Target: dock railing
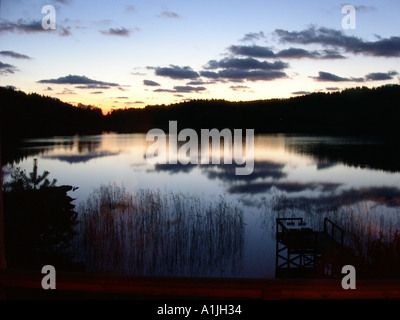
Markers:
(334, 231)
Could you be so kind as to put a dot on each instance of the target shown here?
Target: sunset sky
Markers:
(117, 54)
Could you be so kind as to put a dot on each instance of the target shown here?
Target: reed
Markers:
(146, 232)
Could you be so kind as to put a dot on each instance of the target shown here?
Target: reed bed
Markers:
(147, 232)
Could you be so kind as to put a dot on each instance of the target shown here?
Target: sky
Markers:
(121, 54)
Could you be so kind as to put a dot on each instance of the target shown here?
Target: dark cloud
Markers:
(251, 75)
(253, 36)
(63, 1)
(252, 51)
(176, 72)
(169, 14)
(239, 69)
(239, 88)
(290, 53)
(331, 54)
(164, 90)
(97, 92)
(83, 80)
(93, 86)
(150, 83)
(121, 32)
(22, 26)
(199, 83)
(245, 64)
(376, 76)
(326, 76)
(66, 91)
(6, 68)
(301, 92)
(15, 55)
(385, 47)
(182, 89)
(332, 88)
(209, 74)
(362, 8)
(297, 53)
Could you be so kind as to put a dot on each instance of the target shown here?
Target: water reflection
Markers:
(354, 182)
(373, 153)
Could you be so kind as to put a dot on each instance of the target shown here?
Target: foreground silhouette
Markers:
(39, 220)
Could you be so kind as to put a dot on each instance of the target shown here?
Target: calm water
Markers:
(355, 182)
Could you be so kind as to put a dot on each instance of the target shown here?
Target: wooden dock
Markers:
(300, 250)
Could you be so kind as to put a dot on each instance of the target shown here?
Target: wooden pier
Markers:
(302, 252)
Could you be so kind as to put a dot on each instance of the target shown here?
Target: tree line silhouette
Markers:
(358, 110)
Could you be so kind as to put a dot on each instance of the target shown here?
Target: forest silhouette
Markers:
(353, 111)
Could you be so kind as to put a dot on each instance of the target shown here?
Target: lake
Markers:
(217, 223)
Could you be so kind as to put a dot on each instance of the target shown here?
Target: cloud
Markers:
(83, 80)
(66, 91)
(22, 26)
(164, 90)
(253, 36)
(383, 47)
(377, 76)
(63, 1)
(97, 92)
(186, 89)
(150, 83)
(239, 69)
(169, 14)
(176, 72)
(251, 75)
(301, 92)
(252, 51)
(14, 54)
(297, 53)
(245, 64)
(290, 53)
(6, 68)
(362, 8)
(326, 76)
(120, 32)
(332, 88)
(133, 102)
(199, 83)
(130, 8)
(182, 89)
(239, 88)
